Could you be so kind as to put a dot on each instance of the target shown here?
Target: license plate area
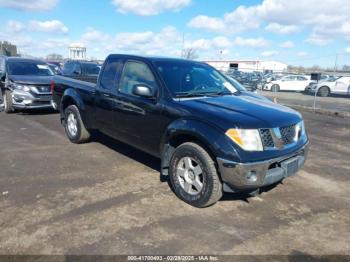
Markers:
(291, 166)
(45, 98)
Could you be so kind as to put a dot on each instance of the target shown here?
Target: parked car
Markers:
(340, 86)
(25, 84)
(289, 83)
(251, 81)
(81, 70)
(211, 136)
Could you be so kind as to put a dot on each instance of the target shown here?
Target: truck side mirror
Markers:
(143, 91)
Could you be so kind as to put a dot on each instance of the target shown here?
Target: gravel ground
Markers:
(105, 197)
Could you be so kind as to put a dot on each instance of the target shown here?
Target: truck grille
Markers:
(266, 138)
(288, 134)
(277, 137)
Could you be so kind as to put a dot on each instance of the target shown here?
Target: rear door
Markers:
(106, 100)
(138, 118)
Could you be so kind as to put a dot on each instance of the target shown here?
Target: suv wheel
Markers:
(194, 177)
(275, 88)
(74, 126)
(8, 104)
(323, 91)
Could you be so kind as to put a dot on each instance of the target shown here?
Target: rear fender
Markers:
(71, 97)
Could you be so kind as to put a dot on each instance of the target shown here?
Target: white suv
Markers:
(289, 83)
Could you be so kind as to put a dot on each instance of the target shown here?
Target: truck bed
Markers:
(75, 83)
(85, 78)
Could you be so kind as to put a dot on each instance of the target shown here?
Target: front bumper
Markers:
(26, 100)
(249, 176)
(311, 90)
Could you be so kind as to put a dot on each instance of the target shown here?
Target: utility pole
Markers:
(336, 62)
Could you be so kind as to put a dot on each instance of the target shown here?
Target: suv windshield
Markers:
(193, 79)
(90, 69)
(29, 68)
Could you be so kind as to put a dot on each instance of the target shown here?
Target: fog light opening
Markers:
(252, 176)
(27, 102)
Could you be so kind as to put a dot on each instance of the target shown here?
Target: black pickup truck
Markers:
(212, 136)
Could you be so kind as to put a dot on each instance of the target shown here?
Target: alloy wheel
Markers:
(190, 175)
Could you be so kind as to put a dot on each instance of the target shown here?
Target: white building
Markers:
(248, 65)
(77, 51)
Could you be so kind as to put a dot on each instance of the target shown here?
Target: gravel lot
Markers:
(336, 103)
(106, 198)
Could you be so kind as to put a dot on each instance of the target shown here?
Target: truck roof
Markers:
(153, 58)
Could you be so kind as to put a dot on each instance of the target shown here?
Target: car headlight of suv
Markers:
(24, 88)
(247, 139)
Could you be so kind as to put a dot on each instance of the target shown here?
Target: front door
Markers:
(138, 118)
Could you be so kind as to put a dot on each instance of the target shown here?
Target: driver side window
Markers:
(136, 73)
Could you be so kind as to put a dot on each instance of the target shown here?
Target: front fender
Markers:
(209, 135)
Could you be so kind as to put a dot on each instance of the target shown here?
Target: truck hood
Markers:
(243, 111)
(31, 80)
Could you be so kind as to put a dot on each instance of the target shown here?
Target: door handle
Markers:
(106, 95)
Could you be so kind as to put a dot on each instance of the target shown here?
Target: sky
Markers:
(307, 33)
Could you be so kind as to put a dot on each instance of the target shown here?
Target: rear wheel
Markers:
(323, 91)
(8, 104)
(194, 177)
(275, 88)
(74, 126)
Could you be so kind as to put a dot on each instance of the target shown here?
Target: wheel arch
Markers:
(212, 139)
(70, 97)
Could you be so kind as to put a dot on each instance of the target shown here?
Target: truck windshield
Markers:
(186, 79)
(29, 68)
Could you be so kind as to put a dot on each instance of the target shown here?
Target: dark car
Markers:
(81, 70)
(25, 84)
(211, 136)
(251, 81)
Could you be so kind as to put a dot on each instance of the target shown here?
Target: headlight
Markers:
(22, 87)
(299, 131)
(247, 139)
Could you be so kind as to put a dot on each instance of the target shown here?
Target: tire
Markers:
(275, 88)
(8, 104)
(323, 91)
(74, 126)
(189, 164)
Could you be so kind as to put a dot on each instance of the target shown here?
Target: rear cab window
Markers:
(109, 77)
(136, 73)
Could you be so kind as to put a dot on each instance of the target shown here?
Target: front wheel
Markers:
(74, 126)
(323, 91)
(8, 104)
(194, 177)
